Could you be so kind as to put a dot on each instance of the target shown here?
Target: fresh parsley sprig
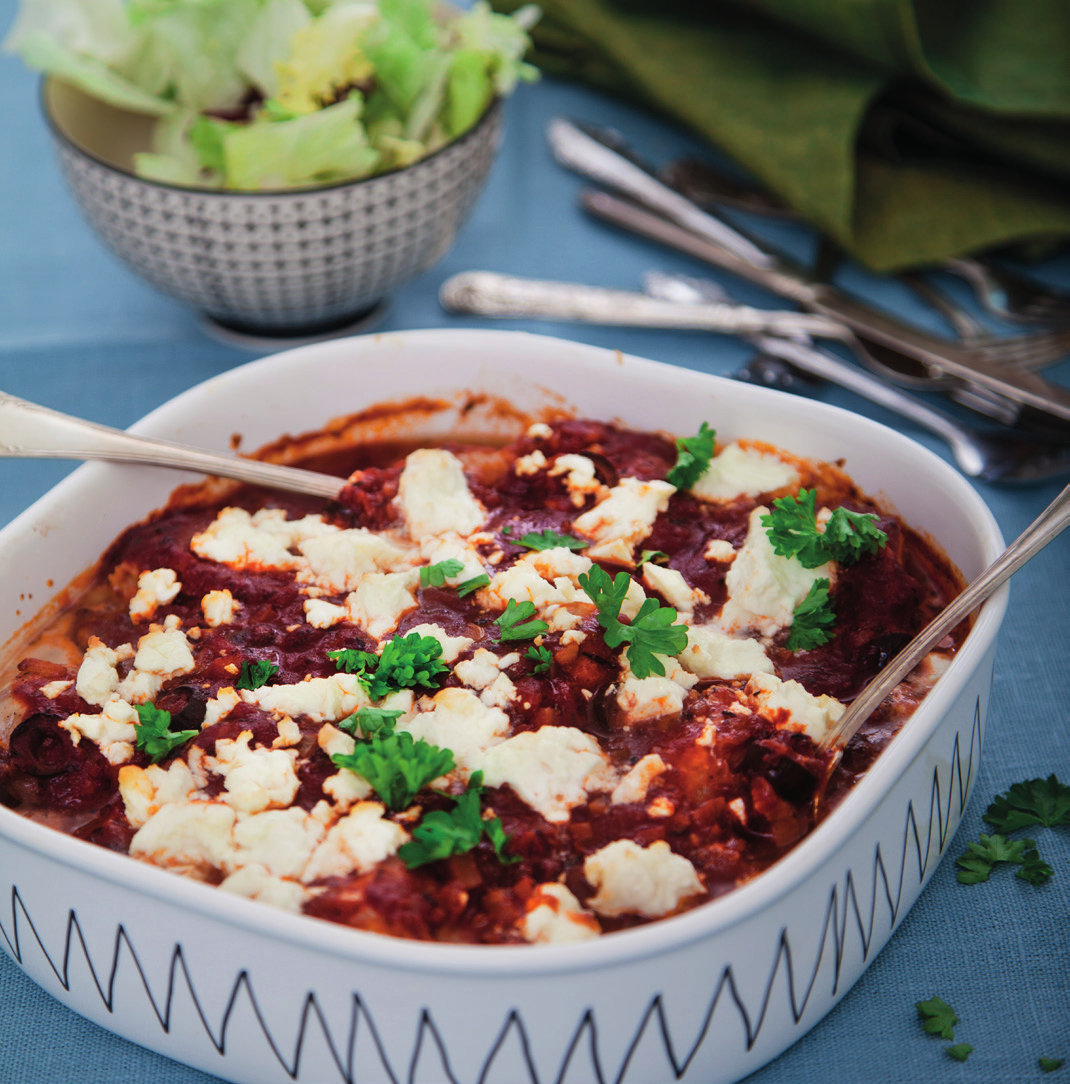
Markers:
(937, 1018)
(518, 622)
(436, 575)
(652, 631)
(396, 765)
(474, 584)
(441, 834)
(254, 675)
(406, 662)
(1044, 802)
(541, 657)
(813, 619)
(153, 733)
(370, 721)
(792, 531)
(549, 539)
(656, 557)
(693, 455)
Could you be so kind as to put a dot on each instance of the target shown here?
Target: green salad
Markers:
(264, 94)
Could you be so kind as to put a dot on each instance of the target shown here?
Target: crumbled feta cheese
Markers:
(712, 654)
(97, 676)
(661, 807)
(451, 548)
(146, 790)
(321, 614)
(580, 480)
(382, 599)
(764, 589)
(651, 697)
(500, 692)
(112, 730)
(55, 688)
(671, 585)
(321, 699)
(220, 706)
(720, 549)
(626, 515)
(338, 561)
(162, 653)
(634, 785)
(629, 879)
(480, 670)
(743, 472)
(154, 589)
(357, 842)
(530, 464)
(555, 917)
(539, 431)
(279, 840)
(434, 497)
(289, 734)
(789, 706)
(219, 607)
(452, 646)
(260, 542)
(346, 788)
(522, 583)
(334, 742)
(255, 883)
(551, 769)
(255, 779)
(461, 722)
(190, 837)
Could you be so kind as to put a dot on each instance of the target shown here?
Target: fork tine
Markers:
(1027, 352)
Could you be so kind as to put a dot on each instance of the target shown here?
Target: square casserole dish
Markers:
(257, 996)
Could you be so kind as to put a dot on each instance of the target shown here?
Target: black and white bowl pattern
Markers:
(285, 262)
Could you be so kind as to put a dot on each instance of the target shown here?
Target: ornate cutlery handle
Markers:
(485, 293)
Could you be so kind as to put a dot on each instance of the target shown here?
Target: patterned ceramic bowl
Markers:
(281, 263)
(261, 996)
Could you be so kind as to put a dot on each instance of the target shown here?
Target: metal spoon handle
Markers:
(29, 431)
(1054, 519)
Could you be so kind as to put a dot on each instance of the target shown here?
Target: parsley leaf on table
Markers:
(693, 455)
(1049, 1065)
(549, 539)
(1036, 801)
(652, 631)
(516, 622)
(812, 620)
(792, 531)
(937, 1017)
(406, 662)
(960, 1051)
(396, 765)
(442, 834)
(254, 675)
(436, 575)
(474, 584)
(542, 658)
(154, 734)
(1034, 869)
(980, 858)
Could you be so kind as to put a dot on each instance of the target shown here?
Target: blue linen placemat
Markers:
(80, 333)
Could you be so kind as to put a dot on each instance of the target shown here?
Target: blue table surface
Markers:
(80, 333)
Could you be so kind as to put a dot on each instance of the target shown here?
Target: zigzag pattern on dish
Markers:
(836, 921)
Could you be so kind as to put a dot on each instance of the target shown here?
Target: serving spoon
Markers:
(29, 431)
(1053, 520)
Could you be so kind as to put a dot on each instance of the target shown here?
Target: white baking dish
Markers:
(254, 995)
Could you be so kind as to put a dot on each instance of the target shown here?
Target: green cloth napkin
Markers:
(906, 131)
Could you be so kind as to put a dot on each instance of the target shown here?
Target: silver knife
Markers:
(674, 220)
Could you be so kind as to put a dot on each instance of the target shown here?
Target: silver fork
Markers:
(1011, 296)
